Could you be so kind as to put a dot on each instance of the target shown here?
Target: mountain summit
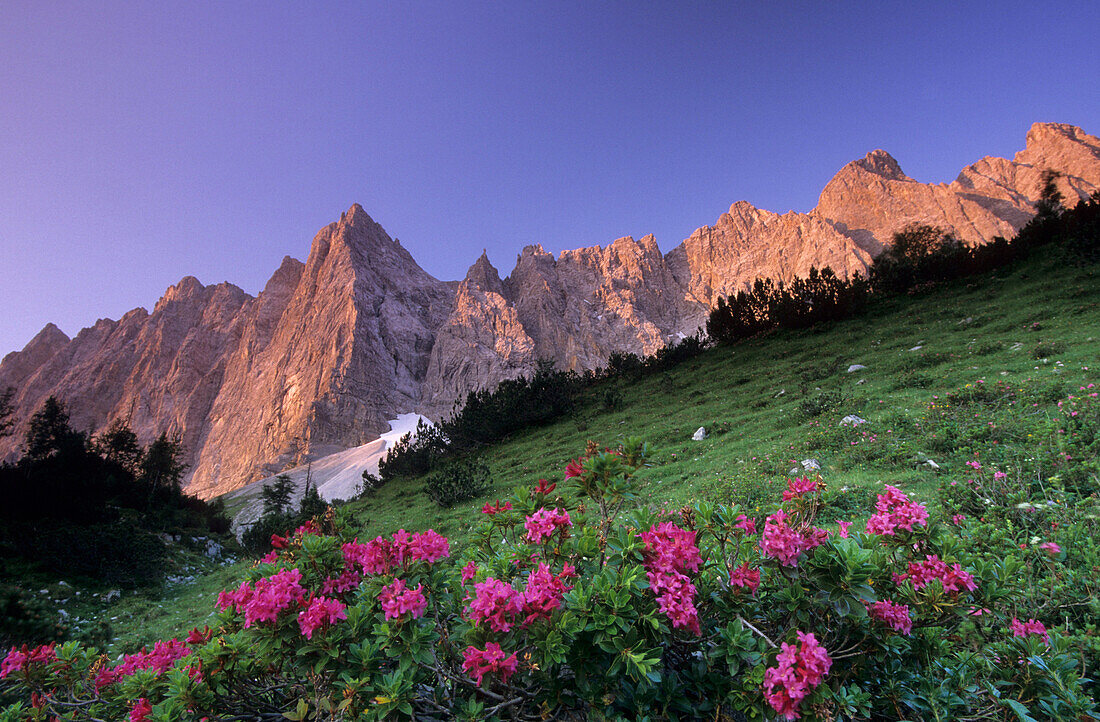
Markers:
(333, 348)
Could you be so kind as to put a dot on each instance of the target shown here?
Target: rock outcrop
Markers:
(334, 348)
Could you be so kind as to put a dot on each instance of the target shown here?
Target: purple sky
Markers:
(141, 142)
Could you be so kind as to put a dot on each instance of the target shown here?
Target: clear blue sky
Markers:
(144, 141)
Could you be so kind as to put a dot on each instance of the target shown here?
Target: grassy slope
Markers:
(751, 399)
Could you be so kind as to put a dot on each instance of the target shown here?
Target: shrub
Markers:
(458, 481)
(567, 606)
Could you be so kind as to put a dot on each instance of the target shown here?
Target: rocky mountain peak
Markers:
(1064, 148)
(881, 163)
(187, 288)
(482, 275)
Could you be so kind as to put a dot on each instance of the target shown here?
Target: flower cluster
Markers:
(670, 552)
(478, 663)
(543, 524)
(799, 487)
(270, 596)
(1028, 628)
(895, 616)
(398, 600)
(801, 668)
(141, 710)
(953, 579)
(17, 659)
(544, 591)
(160, 660)
(783, 542)
(494, 509)
(320, 612)
(745, 524)
(895, 511)
(381, 556)
(745, 578)
(495, 603)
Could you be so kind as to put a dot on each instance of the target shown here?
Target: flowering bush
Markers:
(586, 602)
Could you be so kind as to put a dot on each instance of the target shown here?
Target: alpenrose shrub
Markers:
(567, 606)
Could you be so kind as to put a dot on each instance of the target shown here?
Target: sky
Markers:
(143, 142)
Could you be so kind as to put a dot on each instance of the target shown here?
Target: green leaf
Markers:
(1020, 710)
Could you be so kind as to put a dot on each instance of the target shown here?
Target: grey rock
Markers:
(700, 434)
(852, 420)
(856, 367)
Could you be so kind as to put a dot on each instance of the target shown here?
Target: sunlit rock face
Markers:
(359, 334)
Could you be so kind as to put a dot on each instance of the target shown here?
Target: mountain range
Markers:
(332, 349)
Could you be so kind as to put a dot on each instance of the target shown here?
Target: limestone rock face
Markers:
(349, 350)
(334, 348)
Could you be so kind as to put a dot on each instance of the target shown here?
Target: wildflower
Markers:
(495, 603)
(429, 546)
(745, 578)
(895, 511)
(160, 660)
(543, 524)
(843, 528)
(1051, 548)
(544, 488)
(669, 553)
(494, 509)
(575, 468)
(141, 710)
(1028, 628)
(953, 579)
(800, 669)
(799, 487)
(320, 612)
(469, 572)
(272, 595)
(271, 557)
(478, 663)
(895, 616)
(745, 524)
(398, 600)
(17, 659)
(374, 557)
(543, 594)
(781, 542)
(349, 579)
(958, 519)
(197, 637)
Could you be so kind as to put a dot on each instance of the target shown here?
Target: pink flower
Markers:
(398, 600)
(544, 488)
(953, 579)
(494, 509)
(976, 465)
(320, 612)
(374, 557)
(17, 659)
(780, 541)
(843, 533)
(270, 558)
(669, 553)
(496, 604)
(1030, 627)
(745, 578)
(160, 659)
(272, 595)
(895, 616)
(141, 710)
(1051, 548)
(427, 546)
(958, 519)
(799, 671)
(349, 579)
(469, 572)
(544, 523)
(575, 468)
(895, 511)
(745, 524)
(543, 594)
(478, 663)
(998, 475)
(799, 487)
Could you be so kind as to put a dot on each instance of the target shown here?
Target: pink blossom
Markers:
(428, 546)
(478, 663)
(496, 604)
(998, 475)
(895, 511)
(17, 659)
(575, 468)
(669, 553)
(160, 660)
(895, 616)
(398, 600)
(543, 594)
(1028, 628)
(375, 557)
(745, 524)
(799, 487)
(958, 519)
(843, 533)
(744, 577)
(799, 671)
(272, 595)
(953, 579)
(320, 612)
(271, 557)
(976, 465)
(141, 710)
(780, 541)
(493, 509)
(349, 579)
(1051, 548)
(469, 572)
(544, 523)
